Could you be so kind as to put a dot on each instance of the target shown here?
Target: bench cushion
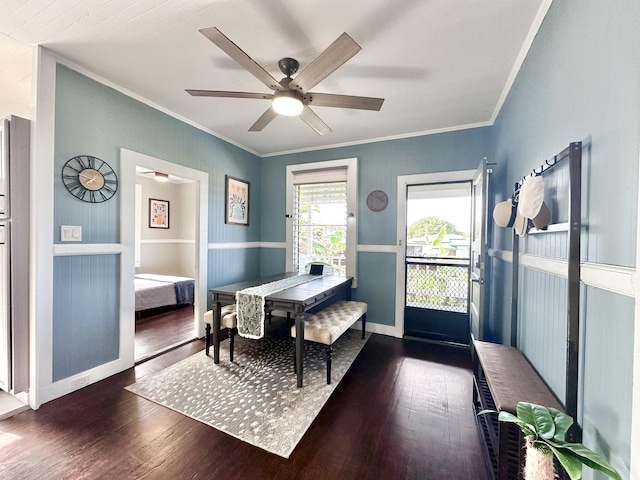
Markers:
(328, 324)
(228, 314)
(511, 378)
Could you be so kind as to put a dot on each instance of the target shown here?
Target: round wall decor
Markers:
(89, 179)
(377, 201)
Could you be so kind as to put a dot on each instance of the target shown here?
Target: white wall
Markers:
(168, 251)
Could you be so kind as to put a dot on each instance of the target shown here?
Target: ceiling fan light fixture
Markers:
(287, 103)
(161, 177)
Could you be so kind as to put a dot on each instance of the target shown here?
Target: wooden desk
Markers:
(295, 300)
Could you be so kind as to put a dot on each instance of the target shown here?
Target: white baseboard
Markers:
(388, 330)
(66, 385)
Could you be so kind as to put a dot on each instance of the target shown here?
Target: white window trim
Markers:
(351, 164)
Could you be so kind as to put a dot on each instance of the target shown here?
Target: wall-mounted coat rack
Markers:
(546, 166)
(573, 153)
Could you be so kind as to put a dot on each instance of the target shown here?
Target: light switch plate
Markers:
(70, 233)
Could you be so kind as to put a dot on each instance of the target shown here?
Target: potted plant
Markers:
(544, 429)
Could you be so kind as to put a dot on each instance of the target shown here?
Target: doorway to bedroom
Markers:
(165, 230)
(177, 253)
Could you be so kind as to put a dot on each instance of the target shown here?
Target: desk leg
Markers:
(299, 346)
(216, 332)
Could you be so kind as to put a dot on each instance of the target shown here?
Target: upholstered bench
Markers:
(228, 319)
(502, 378)
(328, 324)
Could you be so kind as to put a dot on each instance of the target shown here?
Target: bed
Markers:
(153, 291)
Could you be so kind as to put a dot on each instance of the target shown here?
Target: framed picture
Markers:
(236, 201)
(158, 213)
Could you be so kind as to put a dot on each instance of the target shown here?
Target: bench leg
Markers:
(364, 321)
(207, 338)
(232, 335)
(327, 352)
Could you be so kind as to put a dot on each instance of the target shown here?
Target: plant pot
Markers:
(538, 464)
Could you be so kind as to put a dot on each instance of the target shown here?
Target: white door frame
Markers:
(128, 161)
(403, 182)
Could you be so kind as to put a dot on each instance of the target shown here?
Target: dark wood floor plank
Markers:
(161, 328)
(403, 411)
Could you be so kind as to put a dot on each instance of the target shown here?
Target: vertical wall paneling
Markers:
(86, 299)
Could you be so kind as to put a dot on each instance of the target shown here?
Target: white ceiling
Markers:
(440, 64)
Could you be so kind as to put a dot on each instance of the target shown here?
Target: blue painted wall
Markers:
(97, 120)
(86, 307)
(379, 165)
(579, 82)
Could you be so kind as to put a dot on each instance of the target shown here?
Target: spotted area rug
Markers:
(255, 398)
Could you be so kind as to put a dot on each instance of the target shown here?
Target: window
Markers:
(320, 225)
(321, 221)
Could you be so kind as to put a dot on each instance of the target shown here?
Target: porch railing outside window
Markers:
(438, 284)
(320, 225)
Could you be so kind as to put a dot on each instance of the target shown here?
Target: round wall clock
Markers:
(89, 179)
(377, 201)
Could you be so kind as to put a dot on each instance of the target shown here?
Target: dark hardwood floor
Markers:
(403, 411)
(160, 329)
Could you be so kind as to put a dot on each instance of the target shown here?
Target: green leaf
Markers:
(588, 457)
(569, 462)
(539, 417)
(562, 422)
(528, 430)
(484, 412)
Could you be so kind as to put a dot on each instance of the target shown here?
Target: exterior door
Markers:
(479, 190)
(437, 261)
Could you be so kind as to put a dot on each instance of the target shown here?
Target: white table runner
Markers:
(250, 303)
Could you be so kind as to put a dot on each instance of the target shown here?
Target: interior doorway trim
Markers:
(128, 161)
(403, 182)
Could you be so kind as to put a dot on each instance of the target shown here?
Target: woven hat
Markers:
(531, 197)
(504, 213)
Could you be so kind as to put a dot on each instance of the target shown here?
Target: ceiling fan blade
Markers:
(310, 118)
(222, 93)
(264, 120)
(235, 52)
(343, 101)
(326, 63)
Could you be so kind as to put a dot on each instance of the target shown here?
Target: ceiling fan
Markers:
(291, 96)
